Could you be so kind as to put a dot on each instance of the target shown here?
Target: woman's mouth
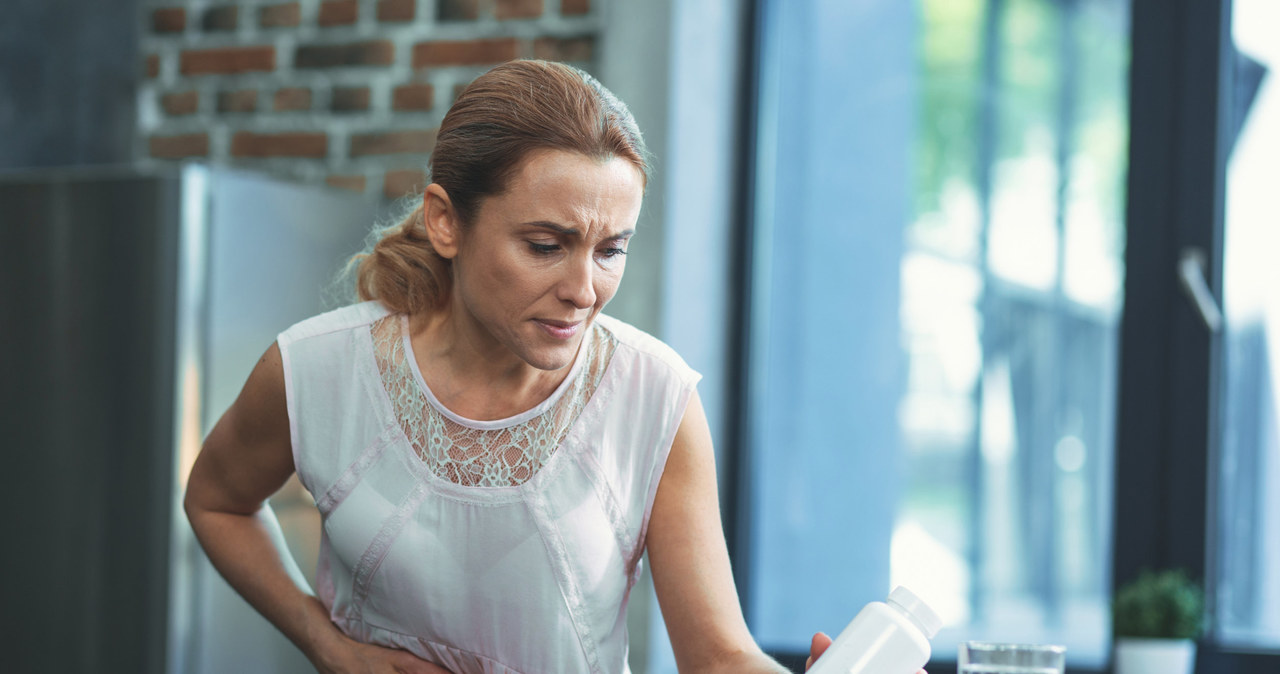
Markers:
(559, 329)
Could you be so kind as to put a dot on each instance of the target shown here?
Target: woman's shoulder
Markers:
(344, 318)
(641, 344)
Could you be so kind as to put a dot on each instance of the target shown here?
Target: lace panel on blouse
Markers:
(473, 457)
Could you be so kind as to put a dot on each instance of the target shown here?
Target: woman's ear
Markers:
(441, 221)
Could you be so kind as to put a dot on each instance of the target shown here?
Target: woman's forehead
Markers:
(545, 167)
(573, 191)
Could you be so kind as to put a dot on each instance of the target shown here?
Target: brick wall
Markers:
(344, 92)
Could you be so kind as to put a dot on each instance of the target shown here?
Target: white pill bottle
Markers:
(890, 637)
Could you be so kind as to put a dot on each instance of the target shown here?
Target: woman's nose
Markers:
(577, 286)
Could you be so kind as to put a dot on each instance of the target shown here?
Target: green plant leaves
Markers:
(1165, 605)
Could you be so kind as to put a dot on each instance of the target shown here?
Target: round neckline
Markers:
(494, 424)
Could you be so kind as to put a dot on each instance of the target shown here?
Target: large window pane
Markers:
(967, 453)
(1019, 323)
(1248, 589)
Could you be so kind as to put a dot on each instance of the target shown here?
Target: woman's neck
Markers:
(472, 373)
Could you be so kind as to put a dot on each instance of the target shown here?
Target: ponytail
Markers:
(400, 269)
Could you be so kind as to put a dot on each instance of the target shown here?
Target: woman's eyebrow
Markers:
(570, 231)
(558, 229)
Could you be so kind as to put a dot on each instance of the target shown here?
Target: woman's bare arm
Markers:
(690, 561)
(245, 459)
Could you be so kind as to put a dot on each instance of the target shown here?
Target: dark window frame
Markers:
(1167, 436)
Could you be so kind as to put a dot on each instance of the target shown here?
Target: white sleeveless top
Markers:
(482, 546)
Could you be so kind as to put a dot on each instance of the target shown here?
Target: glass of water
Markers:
(978, 657)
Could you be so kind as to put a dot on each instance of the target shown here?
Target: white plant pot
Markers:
(1155, 656)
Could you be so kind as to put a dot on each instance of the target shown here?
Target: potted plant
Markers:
(1156, 619)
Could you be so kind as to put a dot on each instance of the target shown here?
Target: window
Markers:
(1248, 541)
(966, 322)
(937, 297)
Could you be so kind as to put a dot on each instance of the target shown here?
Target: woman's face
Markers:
(542, 259)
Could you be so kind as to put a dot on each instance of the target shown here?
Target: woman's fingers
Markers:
(817, 647)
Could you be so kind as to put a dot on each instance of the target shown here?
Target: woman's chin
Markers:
(552, 357)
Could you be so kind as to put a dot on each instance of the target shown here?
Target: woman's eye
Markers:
(612, 252)
(543, 248)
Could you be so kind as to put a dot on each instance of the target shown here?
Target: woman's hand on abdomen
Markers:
(359, 658)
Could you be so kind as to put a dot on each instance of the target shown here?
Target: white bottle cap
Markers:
(925, 618)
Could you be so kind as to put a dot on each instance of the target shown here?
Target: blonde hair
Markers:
(494, 124)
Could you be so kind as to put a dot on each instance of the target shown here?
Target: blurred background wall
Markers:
(68, 90)
(337, 91)
(68, 82)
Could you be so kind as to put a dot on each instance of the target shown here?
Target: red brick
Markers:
(464, 52)
(376, 53)
(563, 48)
(249, 144)
(220, 19)
(184, 103)
(280, 16)
(169, 20)
(392, 142)
(291, 98)
(397, 184)
(227, 60)
(575, 7)
(396, 10)
(517, 9)
(351, 183)
(457, 10)
(349, 99)
(242, 100)
(338, 12)
(412, 97)
(152, 66)
(177, 147)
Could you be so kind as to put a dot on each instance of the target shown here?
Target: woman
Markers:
(490, 454)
